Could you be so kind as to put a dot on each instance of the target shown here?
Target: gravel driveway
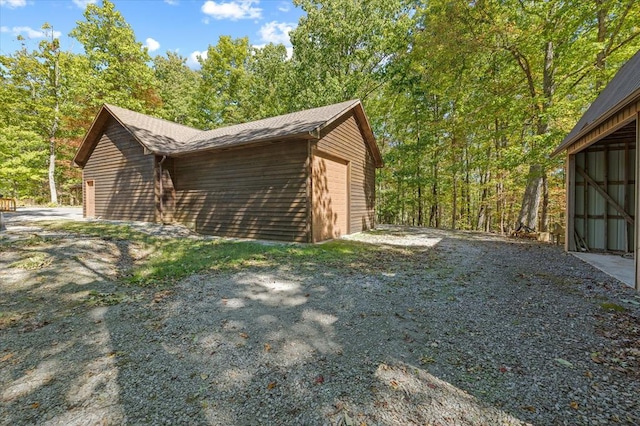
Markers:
(451, 328)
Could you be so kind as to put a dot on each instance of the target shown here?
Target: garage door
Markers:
(330, 198)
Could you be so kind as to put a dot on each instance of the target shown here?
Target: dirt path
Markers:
(449, 328)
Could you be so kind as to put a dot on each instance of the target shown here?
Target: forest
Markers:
(467, 99)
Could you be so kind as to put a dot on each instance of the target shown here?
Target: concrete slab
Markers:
(620, 268)
(34, 214)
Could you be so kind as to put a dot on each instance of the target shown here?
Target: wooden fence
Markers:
(7, 204)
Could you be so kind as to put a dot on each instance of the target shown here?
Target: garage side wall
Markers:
(344, 140)
(123, 177)
(253, 192)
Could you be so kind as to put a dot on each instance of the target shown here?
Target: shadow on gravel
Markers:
(459, 330)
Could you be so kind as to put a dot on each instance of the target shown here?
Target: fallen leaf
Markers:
(595, 357)
(503, 369)
(588, 374)
(394, 384)
(35, 405)
(564, 362)
(204, 376)
(573, 405)
(431, 386)
(272, 385)
(7, 357)
(319, 379)
(529, 408)
(348, 421)
(244, 335)
(267, 347)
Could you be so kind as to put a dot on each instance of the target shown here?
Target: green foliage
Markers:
(120, 73)
(23, 167)
(177, 87)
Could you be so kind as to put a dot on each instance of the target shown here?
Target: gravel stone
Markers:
(453, 328)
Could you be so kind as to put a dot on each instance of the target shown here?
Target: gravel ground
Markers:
(451, 328)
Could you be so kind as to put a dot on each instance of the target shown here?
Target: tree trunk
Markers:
(544, 223)
(531, 201)
(600, 38)
(52, 170)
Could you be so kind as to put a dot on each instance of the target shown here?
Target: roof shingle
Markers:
(164, 137)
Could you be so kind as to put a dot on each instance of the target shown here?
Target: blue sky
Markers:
(185, 26)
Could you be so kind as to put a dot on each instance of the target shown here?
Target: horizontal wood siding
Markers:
(343, 139)
(123, 175)
(253, 192)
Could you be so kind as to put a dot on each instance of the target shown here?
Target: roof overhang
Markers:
(568, 142)
(365, 129)
(92, 137)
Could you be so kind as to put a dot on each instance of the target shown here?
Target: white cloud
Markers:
(82, 4)
(284, 7)
(192, 60)
(30, 32)
(152, 44)
(276, 32)
(12, 4)
(171, 2)
(233, 10)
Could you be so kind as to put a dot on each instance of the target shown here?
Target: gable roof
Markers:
(162, 137)
(622, 88)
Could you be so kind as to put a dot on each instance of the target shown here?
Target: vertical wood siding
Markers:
(330, 198)
(253, 192)
(344, 140)
(123, 175)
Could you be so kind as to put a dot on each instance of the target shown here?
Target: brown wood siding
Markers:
(253, 192)
(123, 176)
(613, 123)
(343, 139)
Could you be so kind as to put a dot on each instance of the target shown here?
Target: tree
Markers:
(40, 87)
(120, 73)
(341, 47)
(223, 96)
(22, 162)
(177, 87)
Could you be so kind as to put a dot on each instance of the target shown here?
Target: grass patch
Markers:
(172, 259)
(33, 261)
(609, 306)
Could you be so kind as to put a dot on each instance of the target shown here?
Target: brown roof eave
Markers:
(181, 153)
(566, 144)
(90, 140)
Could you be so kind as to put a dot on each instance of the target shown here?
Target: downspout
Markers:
(161, 188)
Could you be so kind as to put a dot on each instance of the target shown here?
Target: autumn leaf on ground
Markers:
(7, 357)
(319, 379)
(272, 385)
(35, 405)
(394, 384)
(244, 335)
(574, 405)
(267, 347)
(529, 408)
(564, 362)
